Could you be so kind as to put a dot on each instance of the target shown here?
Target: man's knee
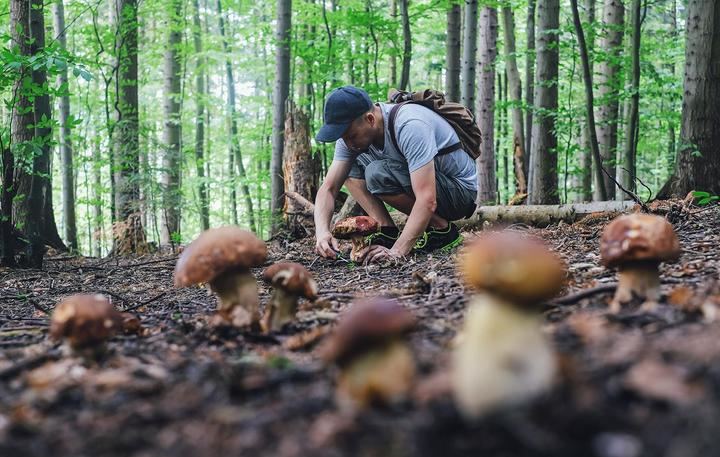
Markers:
(381, 178)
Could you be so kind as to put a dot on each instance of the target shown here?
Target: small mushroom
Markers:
(290, 281)
(636, 244)
(355, 229)
(502, 356)
(86, 321)
(376, 365)
(222, 257)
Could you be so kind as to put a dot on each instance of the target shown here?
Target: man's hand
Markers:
(326, 245)
(378, 254)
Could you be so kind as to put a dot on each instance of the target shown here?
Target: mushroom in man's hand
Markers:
(355, 229)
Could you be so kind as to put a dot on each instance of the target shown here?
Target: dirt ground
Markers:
(631, 384)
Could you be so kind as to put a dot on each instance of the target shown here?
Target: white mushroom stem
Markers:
(281, 309)
(358, 244)
(502, 357)
(385, 374)
(238, 299)
(639, 279)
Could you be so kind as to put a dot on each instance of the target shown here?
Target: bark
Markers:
(698, 162)
(203, 197)
(628, 173)
(608, 93)
(529, 82)
(467, 95)
(583, 179)
(514, 94)
(300, 169)
(541, 215)
(487, 183)
(235, 152)
(170, 177)
(393, 56)
(543, 184)
(282, 90)
(65, 141)
(98, 200)
(589, 100)
(452, 59)
(407, 45)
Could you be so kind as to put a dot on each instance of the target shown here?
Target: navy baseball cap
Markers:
(343, 105)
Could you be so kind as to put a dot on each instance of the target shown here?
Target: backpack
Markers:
(461, 119)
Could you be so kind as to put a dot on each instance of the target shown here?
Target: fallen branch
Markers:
(579, 295)
(306, 205)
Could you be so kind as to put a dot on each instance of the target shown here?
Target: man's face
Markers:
(359, 135)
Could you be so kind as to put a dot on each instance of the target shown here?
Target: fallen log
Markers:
(542, 215)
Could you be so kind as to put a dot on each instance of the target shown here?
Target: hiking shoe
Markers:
(443, 239)
(386, 237)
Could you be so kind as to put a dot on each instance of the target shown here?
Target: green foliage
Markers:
(705, 198)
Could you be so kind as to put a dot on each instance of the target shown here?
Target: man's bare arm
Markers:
(325, 244)
(423, 185)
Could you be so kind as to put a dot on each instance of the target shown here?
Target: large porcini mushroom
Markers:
(376, 365)
(85, 321)
(636, 244)
(222, 257)
(290, 281)
(355, 229)
(502, 356)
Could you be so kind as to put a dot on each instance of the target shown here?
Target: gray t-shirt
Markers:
(420, 134)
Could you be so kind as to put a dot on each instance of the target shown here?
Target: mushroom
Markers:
(502, 356)
(636, 244)
(355, 229)
(86, 321)
(376, 365)
(222, 257)
(290, 281)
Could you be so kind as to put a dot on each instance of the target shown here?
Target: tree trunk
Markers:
(170, 178)
(282, 90)
(627, 178)
(529, 82)
(452, 47)
(487, 184)
(589, 100)
(128, 232)
(583, 179)
(543, 185)
(407, 45)
(65, 141)
(393, 56)
(299, 167)
(98, 221)
(235, 152)
(514, 94)
(203, 196)
(608, 93)
(467, 95)
(698, 163)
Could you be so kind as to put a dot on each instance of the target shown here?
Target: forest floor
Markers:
(631, 384)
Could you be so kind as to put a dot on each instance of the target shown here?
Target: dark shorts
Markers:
(390, 177)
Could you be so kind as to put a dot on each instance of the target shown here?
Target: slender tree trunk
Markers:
(170, 178)
(631, 133)
(698, 163)
(235, 152)
(672, 148)
(583, 179)
(467, 95)
(529, 82)
(407, 45)
(200, 119)
(487, 183)
(589, 99)
(544, 182)
(65, 141)
(608, 93)
(282, 90)
(98, 220)
(514, 94)
(452, 59)
(393, 56)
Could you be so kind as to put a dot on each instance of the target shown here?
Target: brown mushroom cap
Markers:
(292, 277)
(366, 322)
(84, 319)
(637, 238)
(216, 251)
(355, 226)
(515, 267)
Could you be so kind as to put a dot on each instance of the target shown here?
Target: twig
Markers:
(580, 294)
(148, 301)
